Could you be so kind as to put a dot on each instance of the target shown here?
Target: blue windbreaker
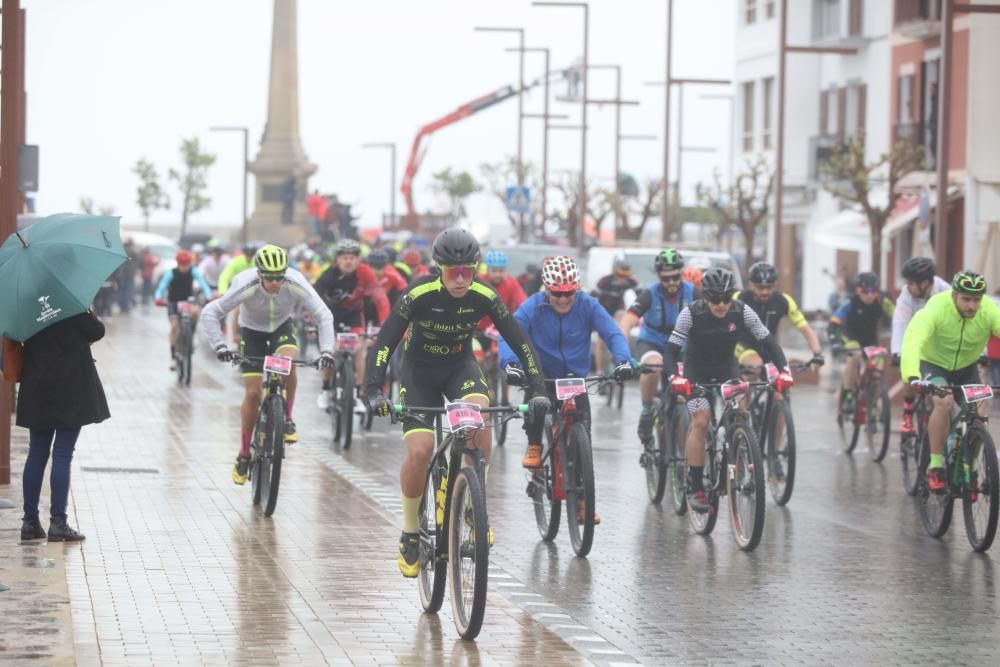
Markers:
(659, 313)
(563, 341)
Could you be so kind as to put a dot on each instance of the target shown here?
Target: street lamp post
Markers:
(392, 176)
(618, 102)
(520, 114)
(246, 162)
(582, 202)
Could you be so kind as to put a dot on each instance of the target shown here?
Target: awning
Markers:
(909, 209)
(848, 230)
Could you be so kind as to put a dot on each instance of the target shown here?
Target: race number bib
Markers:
(567, 388)
(348, 342)
(279, 365)
(772, 372)
(463, 416)
(977, 392)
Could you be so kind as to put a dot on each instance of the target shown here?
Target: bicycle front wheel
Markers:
(468, 552)
(979, 497)
(274, 451)
(500, 398)
(745, 486)
(578, 477)
(347, 403)
(935, 508)
(703, 523)
(187, 347)
(850, 425)
(878, 421)
(780, 458)
(542, 489)
(655, 459)
(433, 568)
(677, 457)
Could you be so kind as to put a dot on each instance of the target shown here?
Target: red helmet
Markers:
(184, 258)
(412, 258)
(560, 273)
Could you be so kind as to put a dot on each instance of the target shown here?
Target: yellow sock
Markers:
(411, 514)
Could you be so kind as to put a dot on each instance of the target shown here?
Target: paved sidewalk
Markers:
(179, 568)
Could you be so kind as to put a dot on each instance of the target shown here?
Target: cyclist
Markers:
(771, 306)
(345, 287)
(177, 285)
(610, 293)
(414, 261)
(921, 285)
(268, 298)
(441, 313)
(506, 285)
(237, 265)
(213, 264)
(658, 305)
(855, 325)
(708, 331)
(942, 345)
(309, 266)
(559, 322)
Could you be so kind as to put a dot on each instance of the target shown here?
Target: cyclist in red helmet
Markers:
(178, 285)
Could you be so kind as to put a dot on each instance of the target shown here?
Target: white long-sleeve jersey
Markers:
(906, 307)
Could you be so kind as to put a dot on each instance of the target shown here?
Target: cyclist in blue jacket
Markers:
(558, 322)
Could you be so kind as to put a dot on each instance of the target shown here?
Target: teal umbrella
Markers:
(53, 269)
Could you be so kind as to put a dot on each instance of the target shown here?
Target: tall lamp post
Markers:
(392, 176)
(246, 162)
(618, 102)
(520, 113)
(582, 202)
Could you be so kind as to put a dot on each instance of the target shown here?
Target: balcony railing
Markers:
(822, 148)
(921, 134)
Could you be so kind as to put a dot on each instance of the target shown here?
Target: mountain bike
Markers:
(664, 458)
(454, 525)
(342, 392)
(267, 444)
(306, 331)
(184, 348)
(970, 469)
(871, 406)
(772, 423)
(733, 464)
(567, 470)
(909, 445)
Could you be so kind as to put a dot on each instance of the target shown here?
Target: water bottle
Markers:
(952, 437)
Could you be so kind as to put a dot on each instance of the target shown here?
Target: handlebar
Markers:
(945, 390)
(240, 358)
(399, 410)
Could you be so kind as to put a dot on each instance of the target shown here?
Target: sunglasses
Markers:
(460, 271)
(272, 277)
(562, 295)
(764, 285)
(870, 290)
(717, 299)
(672, 278)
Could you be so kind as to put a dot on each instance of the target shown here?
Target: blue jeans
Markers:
(40, 442)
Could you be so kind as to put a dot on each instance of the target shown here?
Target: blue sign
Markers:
(519, 199)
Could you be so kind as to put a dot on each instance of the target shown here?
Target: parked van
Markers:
(600, 262)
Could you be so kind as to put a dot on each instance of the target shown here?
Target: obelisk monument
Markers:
(281, 168)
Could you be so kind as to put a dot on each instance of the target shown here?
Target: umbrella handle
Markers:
(21, 239)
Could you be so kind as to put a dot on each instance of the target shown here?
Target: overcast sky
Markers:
(112, 81)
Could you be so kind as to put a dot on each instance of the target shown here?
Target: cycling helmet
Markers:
(184, 258)
(377, 259)
(918, 269)
(969, 282)
(763, 273)
(692, 274)
(271, 259)
(668, 259)
(348, 246)
(496, 259)
(866, 280)
(412, 257)
(249, 249)
(455, 246)
(718, 280)
(622, 266)
(560, 273)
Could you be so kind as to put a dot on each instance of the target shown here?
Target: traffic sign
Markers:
(519, 199)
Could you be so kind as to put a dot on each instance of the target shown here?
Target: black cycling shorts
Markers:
(349, 320)
(260, 344)
(424, 385)
(644, 346)
(938, 375)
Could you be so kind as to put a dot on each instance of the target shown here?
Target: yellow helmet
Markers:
(271, 259)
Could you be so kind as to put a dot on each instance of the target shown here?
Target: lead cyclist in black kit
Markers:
(441, 312)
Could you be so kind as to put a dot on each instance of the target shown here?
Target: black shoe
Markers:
(60, 531)
(646, 426)
(31, 529)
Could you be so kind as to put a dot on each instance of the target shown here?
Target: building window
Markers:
(748, 116)
(826, 19)
(855, 22)
(904, 99)
(768, 102)
(769, 8)
(856, 107)
(750, 11)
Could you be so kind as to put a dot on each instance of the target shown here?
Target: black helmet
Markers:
(866, 280)
(668, 259)
(763, 273)
(918, 269)
(455, 246)
(718, 280)
(377, 259)
(969, 282)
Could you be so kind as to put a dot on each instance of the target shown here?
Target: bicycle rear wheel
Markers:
(745, 486)
(433, 569)
(468, 552)
(578, 478)
(703, 523)
(908, 445)
(979, 497)
(935, 508)
(677, 457)
(542, 487)
(655, 458)
(273, 452)
(780, 459)
(878, 419)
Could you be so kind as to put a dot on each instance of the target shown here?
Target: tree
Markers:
(193, 181)
(87, 206)
(743, 204)
(852, 179)
(635, 201)
(457, 186)
(149, 195)
(501, 175)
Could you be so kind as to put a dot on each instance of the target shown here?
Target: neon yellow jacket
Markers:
(940, 335)
(236, 265)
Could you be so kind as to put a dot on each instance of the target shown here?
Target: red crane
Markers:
(417, 152)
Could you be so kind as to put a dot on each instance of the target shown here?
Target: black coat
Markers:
(60, 388)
